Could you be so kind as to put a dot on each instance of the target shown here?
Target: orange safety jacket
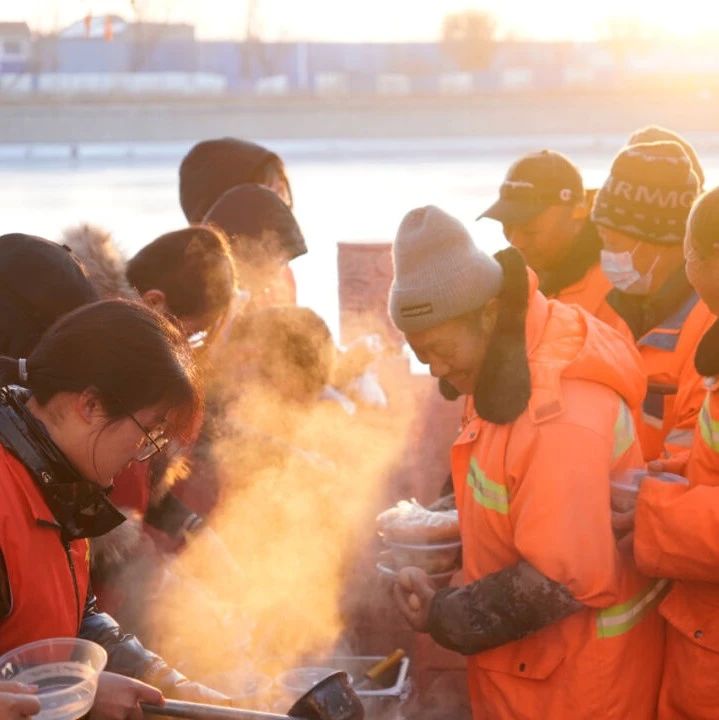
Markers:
(677, 536)
(48, 578)
(591, 293)
(591, 289)
(675, 390)
(537, 489)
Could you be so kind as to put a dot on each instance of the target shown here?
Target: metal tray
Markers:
(356, 665)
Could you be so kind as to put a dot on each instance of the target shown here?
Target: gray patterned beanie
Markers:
(649, 193)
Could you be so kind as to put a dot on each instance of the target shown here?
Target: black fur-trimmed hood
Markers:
(706, 359)
(504, 386)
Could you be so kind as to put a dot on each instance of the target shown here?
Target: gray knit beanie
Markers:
(439, 273)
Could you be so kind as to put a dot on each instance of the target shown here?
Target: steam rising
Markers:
(300, 484)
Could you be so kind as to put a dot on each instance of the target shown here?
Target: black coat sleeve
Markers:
(126, 655)
(498, 609)
(173, 517)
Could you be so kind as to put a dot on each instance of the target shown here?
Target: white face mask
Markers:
(619, 269)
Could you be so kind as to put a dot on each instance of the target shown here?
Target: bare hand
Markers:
(676, 464)
(413, 594)
(199, 693)
(17, 700)
(119, 697)
(622, 501)
(623, 526)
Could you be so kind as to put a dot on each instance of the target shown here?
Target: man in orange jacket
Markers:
(641, 212)
(556, 622)
(677, 526)
(544, 211)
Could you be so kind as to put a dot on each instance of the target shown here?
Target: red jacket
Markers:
(48, 579)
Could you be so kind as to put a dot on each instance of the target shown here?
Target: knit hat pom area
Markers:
(439, 273)
(649, 193)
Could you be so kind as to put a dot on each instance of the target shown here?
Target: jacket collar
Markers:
(644, 313)
(79, 506)
(504, 386)
(583, 255)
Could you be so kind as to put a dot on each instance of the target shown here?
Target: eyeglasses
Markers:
(154, 442)
(201, 339)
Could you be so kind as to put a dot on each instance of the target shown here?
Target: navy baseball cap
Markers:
(534, 183)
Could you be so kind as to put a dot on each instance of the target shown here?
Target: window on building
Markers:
(12, 47)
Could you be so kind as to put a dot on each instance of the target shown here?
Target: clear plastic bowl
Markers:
(387, 567)
(625, 486)
(432, 558)
(300, 680)
(65, 670)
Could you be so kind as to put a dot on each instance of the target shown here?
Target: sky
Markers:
(387, 20)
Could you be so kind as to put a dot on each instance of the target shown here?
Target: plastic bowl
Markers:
(387, 568)
(625, 486)
(65, 670)
(432, 558)
(302, 679)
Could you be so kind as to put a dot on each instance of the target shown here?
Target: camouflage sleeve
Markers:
(498, 609)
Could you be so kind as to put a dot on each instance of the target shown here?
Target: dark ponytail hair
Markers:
(193, 267)
(131, 356)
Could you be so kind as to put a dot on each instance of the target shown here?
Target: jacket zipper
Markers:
(68, 555)
(66, 545)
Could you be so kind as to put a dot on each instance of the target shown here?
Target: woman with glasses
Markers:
(108, 383)
(187, 276)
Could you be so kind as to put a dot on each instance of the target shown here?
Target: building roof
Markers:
(97, 27)
(16, 29)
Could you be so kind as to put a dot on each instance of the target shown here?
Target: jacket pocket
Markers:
(690, 686)
(692, 609)
(533, 658)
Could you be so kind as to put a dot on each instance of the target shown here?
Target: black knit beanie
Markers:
(212, 167)
(39, 282)
(649, 193)
(244, 212)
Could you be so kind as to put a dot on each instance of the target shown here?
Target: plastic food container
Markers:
(387, 567)
(65, 670)
(300, 680)
(432, 558)
(380, 700)
(625, 486)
